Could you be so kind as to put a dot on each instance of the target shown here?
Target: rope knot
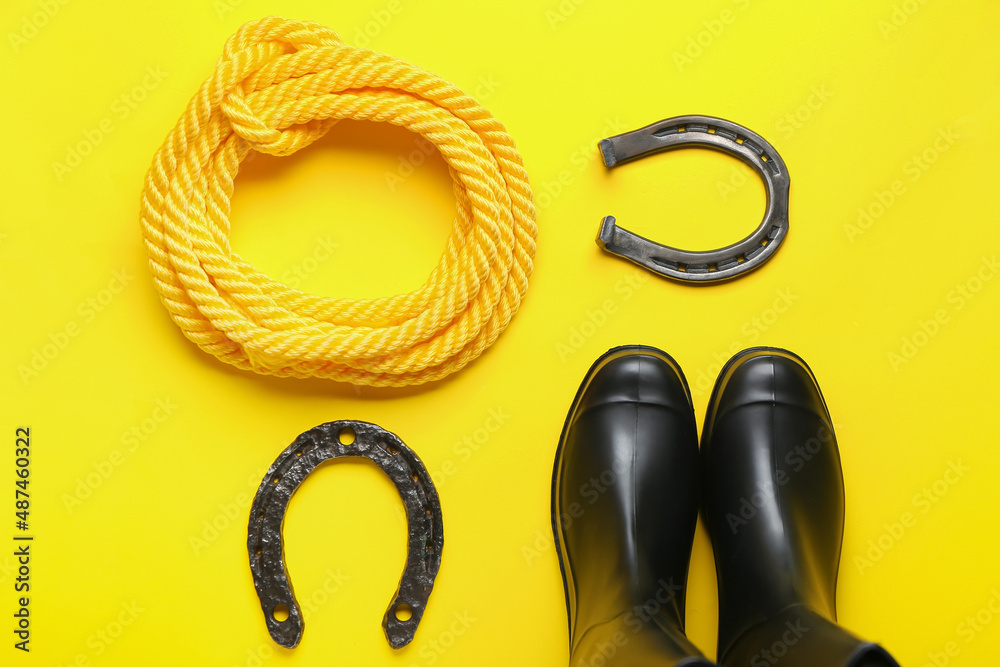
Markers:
(254, 56)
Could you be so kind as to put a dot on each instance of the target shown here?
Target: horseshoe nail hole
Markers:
(392, 449)
(277, 478)
(764, 158)
(346, 436)
(739, 140)
(711, 130)
(403, 612)
(257, 552)
(415, 477)
(280, 613)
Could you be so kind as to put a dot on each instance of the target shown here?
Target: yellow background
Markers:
(145, 562)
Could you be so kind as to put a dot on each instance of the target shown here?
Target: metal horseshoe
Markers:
(267, 515)
(712, 265)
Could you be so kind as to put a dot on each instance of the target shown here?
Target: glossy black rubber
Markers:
(774, 508)
(624, 507)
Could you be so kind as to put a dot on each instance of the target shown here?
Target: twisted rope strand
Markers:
(279, 86)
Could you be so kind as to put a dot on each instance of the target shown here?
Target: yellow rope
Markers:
(279, 86)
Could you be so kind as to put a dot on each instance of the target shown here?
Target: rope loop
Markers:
(279, 86)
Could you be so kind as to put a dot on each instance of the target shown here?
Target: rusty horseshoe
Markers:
(423, 515)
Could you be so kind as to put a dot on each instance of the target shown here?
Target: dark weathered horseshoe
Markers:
(713, 265)
(423, 516)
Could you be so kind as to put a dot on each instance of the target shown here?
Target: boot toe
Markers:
(635, 374)
(766, 376)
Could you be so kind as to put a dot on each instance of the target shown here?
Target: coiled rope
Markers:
(279, 86)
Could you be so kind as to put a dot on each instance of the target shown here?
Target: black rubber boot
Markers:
(624, 506)
(774, 506)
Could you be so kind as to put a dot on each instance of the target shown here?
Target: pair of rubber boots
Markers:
(626, 490)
